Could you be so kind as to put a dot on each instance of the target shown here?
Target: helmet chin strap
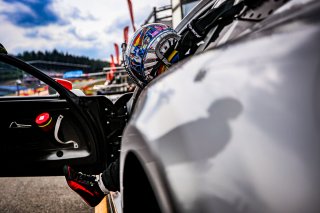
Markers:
(155, 69)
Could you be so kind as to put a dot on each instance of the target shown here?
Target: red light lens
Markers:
(43, 119)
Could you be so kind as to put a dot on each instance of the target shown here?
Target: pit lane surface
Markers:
(39, 194)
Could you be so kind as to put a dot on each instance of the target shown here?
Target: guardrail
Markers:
(155, 14)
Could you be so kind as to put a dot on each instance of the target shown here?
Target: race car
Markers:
(234, 127)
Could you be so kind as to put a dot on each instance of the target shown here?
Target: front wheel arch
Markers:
(138, 195)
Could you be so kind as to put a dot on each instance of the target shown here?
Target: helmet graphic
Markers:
(150, 52)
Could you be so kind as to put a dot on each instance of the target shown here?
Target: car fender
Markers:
(236, 128)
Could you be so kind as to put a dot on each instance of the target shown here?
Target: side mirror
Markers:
(67, 84)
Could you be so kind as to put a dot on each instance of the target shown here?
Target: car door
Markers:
(43, 130)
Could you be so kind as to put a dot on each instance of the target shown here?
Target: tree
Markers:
(56, 56)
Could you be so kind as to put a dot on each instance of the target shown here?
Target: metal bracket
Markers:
(56, 130)
(15, 125)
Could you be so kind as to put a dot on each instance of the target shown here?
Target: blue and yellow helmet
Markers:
(150, 52)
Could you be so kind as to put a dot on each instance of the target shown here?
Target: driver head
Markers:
(150, 52)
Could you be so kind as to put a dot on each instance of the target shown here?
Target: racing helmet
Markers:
(150, 52)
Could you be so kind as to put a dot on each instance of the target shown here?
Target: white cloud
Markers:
(85, 27)
(15, 7)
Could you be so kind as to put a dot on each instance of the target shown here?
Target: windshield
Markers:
(16, 82)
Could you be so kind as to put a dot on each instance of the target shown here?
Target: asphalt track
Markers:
(39, 194)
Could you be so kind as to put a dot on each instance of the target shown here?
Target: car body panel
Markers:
(236, 129)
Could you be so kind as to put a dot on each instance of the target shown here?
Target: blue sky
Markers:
(80, 27)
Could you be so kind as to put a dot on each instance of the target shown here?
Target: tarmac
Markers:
(39, 194)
